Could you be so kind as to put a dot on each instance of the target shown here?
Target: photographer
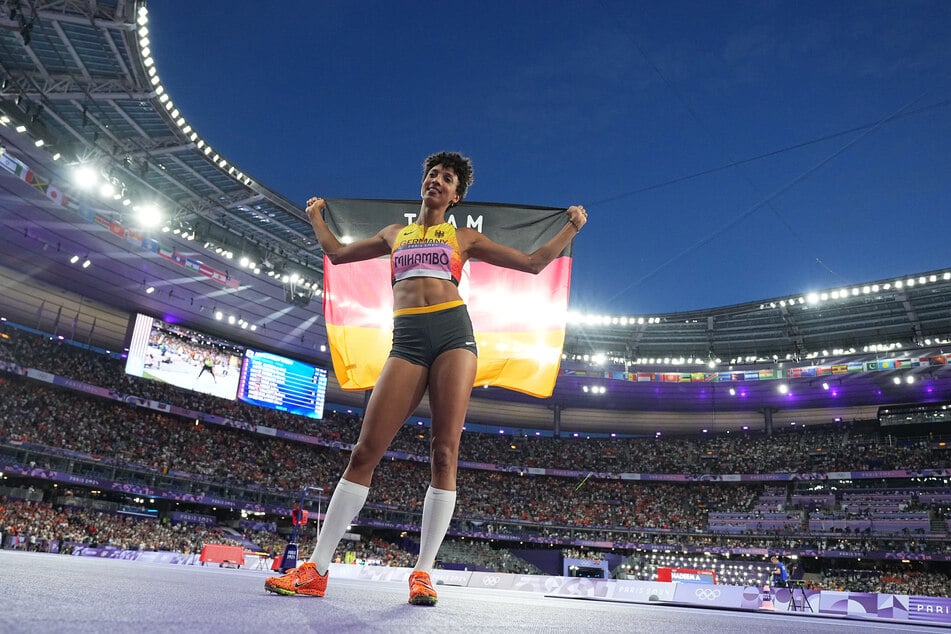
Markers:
(778, 576)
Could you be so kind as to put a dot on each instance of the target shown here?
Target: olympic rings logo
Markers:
(707, 594)
(490, 581)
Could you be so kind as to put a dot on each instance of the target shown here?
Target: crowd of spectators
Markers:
(510, 501)
(754, 571)
(918, 583)
(153, 441)
(40, 526)
(44, 527)
(481, 555)
(794, 450)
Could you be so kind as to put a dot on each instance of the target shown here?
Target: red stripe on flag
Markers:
(518, 318)
(502, 300)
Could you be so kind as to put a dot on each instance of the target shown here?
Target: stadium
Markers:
(683, 447)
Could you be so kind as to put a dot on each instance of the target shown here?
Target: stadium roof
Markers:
(79, 89)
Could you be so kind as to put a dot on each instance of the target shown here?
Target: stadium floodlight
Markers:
(85, 177)
(148, 215)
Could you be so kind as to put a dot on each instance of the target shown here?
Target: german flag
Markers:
(519, 319)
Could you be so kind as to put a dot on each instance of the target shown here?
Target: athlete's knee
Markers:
(444, 458)
(365, 456)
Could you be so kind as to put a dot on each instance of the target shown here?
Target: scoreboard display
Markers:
(270, 380)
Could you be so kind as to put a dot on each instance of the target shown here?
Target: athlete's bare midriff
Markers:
(416, 292)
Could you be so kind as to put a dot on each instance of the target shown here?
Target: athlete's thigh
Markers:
(395, 396)
(450, 386)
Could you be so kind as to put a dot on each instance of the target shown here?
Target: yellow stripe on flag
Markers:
(522, 361)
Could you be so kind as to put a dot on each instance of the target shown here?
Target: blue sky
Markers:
(726, 151)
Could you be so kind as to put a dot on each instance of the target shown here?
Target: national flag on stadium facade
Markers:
(86, 212)
(117, 229)
(36, 181)
(56, 195)
(519, 319)
(12, 165)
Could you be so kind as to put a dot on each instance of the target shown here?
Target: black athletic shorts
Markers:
(421, 337)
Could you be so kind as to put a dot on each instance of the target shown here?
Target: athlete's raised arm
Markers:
(482, 248)
(338, 252)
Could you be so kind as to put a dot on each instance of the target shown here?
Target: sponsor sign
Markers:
(641, 591)
(929, 609)
(492, 580)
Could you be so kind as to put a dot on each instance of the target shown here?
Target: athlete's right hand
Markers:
(315, 207)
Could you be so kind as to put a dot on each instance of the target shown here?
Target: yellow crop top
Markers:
(426, 252)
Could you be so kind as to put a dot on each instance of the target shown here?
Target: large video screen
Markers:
(273, 381)
(183, 357)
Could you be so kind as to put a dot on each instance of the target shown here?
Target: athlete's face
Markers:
(439, 187)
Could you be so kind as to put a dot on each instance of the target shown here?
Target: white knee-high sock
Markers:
(438, 507)
(347, 500)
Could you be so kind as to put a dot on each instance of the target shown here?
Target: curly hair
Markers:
(460, 164)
